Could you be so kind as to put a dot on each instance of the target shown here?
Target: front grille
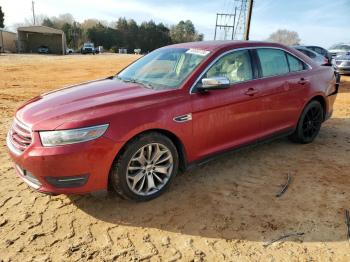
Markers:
(20, 136)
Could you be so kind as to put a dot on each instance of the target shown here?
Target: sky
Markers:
(318, 22)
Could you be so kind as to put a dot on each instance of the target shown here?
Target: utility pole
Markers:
(2, 48)
(33, 12)
(249, 17)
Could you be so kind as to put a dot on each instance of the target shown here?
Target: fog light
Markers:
(67, 181)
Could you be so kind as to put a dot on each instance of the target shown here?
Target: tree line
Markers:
(123, 33)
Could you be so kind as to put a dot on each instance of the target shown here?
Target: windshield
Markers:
(164, 68)
(89, 45)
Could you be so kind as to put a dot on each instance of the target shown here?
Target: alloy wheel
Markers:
(312, 122)
(149, 169)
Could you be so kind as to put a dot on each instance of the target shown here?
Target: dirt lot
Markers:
(224, 210)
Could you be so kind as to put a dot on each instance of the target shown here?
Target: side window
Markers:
(310, 54)
(273, 62)
(318, 50)
(235, 66)
(295, 64)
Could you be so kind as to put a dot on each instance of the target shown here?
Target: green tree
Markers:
(184, 31)
(104, 36)
(47, 22)
(68, 31)
(2, 15)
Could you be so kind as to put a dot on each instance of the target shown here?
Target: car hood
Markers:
(82, 105)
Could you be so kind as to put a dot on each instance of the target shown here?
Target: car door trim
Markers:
(247, 48)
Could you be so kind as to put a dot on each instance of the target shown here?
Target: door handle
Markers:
(302, 81)
(251, 91)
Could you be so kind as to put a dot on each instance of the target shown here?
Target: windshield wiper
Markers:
(133, 80)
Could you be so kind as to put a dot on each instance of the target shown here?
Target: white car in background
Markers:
(99, 49)
(339, 49)
(69, 51)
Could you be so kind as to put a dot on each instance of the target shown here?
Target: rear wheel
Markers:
(309, 123)
(145, 168)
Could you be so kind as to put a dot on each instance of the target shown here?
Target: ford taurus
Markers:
(171, 109)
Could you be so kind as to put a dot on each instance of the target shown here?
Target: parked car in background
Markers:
(319, 59)
(43, 49)
(69, 51)
(339, 49)
(173, 108)
(342, 63)
(88, 48)
(320, 51)
(99, 49)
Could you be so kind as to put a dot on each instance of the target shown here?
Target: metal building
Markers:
(30, 38)
(7, 41)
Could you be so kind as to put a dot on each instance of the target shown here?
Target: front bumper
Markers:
(70, 169)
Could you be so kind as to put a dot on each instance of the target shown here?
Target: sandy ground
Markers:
(224, 210)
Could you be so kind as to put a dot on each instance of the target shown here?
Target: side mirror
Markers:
(214, 83)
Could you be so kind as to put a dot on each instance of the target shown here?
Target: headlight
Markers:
(71, 136)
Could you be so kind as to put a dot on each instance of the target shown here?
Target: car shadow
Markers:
(344, 86)
(234, 197)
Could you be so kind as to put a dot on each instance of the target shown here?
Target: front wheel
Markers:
(145, 168)
(309, 123)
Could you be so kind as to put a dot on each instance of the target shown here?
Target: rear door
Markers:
(283, 87)
(227, 118)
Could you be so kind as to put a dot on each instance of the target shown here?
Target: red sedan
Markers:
(173, 108)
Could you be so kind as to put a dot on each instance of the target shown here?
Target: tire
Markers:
(134, 175)
(309, 123)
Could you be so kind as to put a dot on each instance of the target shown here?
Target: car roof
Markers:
(305, 48)
(225, 44)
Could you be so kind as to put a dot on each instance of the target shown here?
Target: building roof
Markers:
(5, 31)
(40, 29)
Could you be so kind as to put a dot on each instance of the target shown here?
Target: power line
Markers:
(234, 20)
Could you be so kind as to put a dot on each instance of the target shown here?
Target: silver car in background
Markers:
(342, 63)
(339, 49)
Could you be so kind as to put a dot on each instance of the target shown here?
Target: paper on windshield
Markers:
(197, 52)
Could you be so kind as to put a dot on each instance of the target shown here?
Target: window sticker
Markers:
(197, 52)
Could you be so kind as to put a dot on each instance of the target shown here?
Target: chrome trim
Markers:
(23, 126)
(247, 48)
(11, 147)
(30, 183)
(70, 179)
(183, 118)
(9, 140)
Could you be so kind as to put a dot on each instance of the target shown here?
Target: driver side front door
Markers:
(227, 118)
